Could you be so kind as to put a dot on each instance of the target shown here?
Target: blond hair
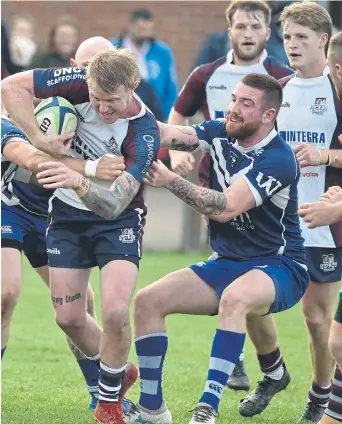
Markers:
(335, 46)
(250, 6)
(113, 68)
(308, 14)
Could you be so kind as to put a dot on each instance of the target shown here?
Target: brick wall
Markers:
(183, 25)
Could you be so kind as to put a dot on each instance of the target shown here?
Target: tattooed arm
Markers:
(218, 206)
(108, 203)
(178, 137)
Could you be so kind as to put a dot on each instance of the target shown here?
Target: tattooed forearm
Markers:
(177, 137)
(111, 203)
(203, 200)
(183, 146)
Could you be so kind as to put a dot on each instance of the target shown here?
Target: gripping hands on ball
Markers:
(55, 145)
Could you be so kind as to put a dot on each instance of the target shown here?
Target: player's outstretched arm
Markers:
(178, 137)
(218, 206)
(17, 94)
(28, 157)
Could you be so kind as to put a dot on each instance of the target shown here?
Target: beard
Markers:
(242, 54)
(242, 131)
(139, 41)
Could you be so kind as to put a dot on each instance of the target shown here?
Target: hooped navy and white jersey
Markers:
(271, 172)
(311, 113)
(136, 138)
(14, 188)
(209, 87)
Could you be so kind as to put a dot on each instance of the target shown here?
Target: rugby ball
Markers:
(56, 115)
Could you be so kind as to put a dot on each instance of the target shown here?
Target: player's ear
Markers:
(324, 39)
(338, 67)
(135, 85)
(229, 33)
(268, 34)
(73, 63)
(268, 116)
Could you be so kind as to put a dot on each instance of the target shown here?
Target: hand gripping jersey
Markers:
(209, 88)
(135, 138)
(13, 191)
(311, 113)
(271, 172)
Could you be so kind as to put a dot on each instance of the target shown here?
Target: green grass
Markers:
(42, 384)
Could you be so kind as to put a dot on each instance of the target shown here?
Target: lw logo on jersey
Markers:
(127, 235)
(270, 184)
(320, 106)
(112, 145)
(328, 263)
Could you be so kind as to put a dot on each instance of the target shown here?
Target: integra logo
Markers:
(286, 104)
(217, 87)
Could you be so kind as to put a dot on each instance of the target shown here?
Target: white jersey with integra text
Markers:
(311, 113)
(136, 138)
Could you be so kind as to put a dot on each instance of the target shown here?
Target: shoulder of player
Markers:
(209, 68)
(277, 150)
(145, 125)
(277, 69)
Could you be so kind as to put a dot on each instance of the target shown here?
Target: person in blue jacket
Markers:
(155, 58)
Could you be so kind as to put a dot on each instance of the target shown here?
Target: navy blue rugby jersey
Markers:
(13, 193)
(271, 172)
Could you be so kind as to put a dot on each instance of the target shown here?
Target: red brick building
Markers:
(182, 24)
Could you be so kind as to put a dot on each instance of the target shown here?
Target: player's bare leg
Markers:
(118, 282)
(90, 369)
(69, 297)
(263, 333)
(10, 290)
(318, 307)
(333, 413)
(179, 292)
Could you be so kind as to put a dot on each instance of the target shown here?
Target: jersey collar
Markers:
(271, 135)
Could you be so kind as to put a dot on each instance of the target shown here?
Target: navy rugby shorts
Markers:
(25, 231)
(80, 239)
(324, 264)
(289, 277)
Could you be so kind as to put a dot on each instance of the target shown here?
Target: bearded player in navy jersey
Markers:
(208, 89)
(254, 227)
(112, 119)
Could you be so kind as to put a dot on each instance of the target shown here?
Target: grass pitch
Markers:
(41, 383)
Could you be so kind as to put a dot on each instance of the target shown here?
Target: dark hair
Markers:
(141, 13)
(273, 93)
(248, 6)
(63, 21)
